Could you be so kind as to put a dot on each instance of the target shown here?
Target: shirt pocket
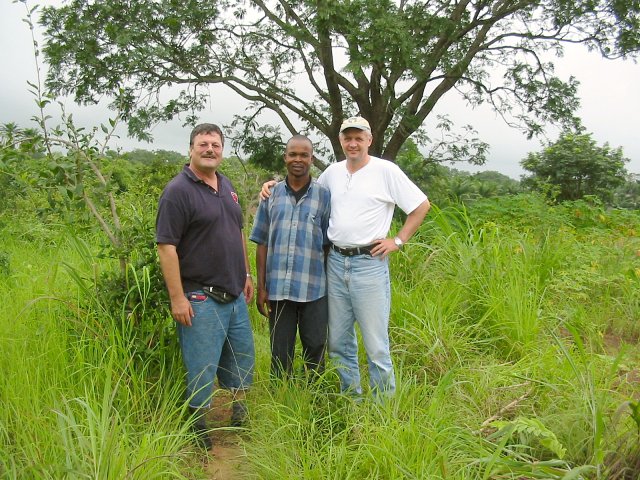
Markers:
(313, 227)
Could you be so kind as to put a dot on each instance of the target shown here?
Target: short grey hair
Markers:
(205, 128)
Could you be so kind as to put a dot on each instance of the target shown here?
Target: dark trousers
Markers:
(310, 319)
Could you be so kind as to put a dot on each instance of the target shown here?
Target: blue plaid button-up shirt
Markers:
(295, 234)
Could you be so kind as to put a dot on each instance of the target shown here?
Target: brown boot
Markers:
(239, 413)
(200, 429)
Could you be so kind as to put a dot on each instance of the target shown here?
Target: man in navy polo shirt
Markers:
(204, 261)
(290, 229)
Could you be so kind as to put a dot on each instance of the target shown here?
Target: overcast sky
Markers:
(609, 92)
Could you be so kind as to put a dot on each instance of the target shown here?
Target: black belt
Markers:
(219, 295)
(351, 251)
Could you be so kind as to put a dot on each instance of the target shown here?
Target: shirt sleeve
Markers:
(325, 217)
(170, 220)
(406, 194)
(260, 232)
(322, 179)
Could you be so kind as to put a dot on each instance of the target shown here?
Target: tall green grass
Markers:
(75, 404)
(502, 322)
(502, 373)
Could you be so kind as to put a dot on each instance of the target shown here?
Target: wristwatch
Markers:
(399, 243)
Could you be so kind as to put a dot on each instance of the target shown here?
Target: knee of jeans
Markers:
(334, 346)
(379, 353)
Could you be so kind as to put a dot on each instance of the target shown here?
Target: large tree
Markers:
(314, 63)
(575, 166)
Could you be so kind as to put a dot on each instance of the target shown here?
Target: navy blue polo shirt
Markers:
(206, 228)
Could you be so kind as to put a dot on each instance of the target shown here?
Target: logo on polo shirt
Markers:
(234, 195)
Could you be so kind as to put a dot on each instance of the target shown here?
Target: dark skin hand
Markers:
(262, 302)
(262, 298)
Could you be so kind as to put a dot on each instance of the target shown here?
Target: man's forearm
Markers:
(181, 310)
(413, 221)
(170, 267)
(246, 254)
(261, 266)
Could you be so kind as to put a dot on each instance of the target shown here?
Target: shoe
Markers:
(239, 413)
(200, 429)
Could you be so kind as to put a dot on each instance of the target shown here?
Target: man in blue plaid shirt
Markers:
(290, 231)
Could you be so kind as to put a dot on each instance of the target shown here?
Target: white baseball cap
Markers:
(355, 122)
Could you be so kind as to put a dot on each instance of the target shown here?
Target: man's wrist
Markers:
(399, 242)
(176, 295)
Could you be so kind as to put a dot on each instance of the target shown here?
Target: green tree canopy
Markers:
(263, 144)
(575, 166)
(444, 183)
(314, 63)
(627, 195)
(147, 157)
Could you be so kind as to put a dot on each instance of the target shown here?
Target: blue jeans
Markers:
(218, 343)
(359, 291)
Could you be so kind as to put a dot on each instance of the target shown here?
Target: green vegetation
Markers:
(574, 166)
(75, 404)
(446, 184)
(515, 322)
(515, 328)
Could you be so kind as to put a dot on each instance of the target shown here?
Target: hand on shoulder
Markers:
(265, 192)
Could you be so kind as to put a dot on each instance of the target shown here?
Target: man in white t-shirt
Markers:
(364, 192)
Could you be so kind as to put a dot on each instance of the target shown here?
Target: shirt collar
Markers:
(189, 173)
(305, 187)
(193, 177)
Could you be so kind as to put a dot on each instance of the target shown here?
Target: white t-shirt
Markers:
(362, 203)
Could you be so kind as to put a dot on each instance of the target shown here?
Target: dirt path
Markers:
(228, 461)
